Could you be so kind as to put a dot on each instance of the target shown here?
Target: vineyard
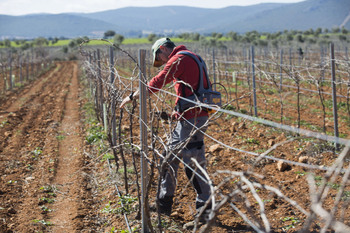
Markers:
(277, 150)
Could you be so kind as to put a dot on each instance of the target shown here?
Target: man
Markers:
(186, 141)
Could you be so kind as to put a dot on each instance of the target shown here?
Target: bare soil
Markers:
(42, 160)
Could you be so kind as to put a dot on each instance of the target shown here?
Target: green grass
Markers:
(127, 41)
(3, 123)
(46, 223)
(47, 200)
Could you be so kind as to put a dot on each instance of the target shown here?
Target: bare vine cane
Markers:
(84, 53)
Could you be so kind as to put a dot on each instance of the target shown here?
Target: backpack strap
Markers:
(202, 67)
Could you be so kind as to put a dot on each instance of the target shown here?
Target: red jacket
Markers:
(180, 67)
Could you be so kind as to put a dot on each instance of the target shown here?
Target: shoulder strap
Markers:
(202, 67)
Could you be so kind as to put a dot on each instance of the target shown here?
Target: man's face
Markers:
(163, 54)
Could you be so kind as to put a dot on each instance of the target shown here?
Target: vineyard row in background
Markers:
(18, 68)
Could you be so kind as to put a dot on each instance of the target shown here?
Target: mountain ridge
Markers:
(170, 20)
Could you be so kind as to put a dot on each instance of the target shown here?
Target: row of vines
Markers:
(18, 67)
(271, 148)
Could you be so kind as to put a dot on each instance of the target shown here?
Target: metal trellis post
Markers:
(113, 103)
(254, 84)
(334, 95)
(10, 66)
(281, 69)
(214, 75)
(99, 84)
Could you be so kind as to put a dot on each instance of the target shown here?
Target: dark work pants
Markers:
(180, 134)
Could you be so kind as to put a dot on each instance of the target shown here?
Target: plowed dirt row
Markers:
(41, 155)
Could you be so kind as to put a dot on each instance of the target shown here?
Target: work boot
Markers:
(165, 205)
(204, 217)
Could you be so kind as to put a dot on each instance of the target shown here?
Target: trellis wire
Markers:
(281, 126)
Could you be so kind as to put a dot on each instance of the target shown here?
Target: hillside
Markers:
(300, 16)
(178, 18)
(136, 21)
(51, 25)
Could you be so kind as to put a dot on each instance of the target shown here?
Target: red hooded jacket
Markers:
(180, 67)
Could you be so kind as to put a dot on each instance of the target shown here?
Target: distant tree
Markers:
(300, 38)
(26, 46)
(308, 32)
(213, 34)
(79, 40)
(275, 35)
(54, 40)
(252, 36)
(195, 36)
(289, 36)
(118, 39)
(152, 37)
(65, 49)
(336, 30)
(72, 44)
(216, 35)
(109, 34)
(246, 39)
(84, 39)
(41, 41)
(318, 31)
(185, 36)
(7, 43)
(344, 31)
(232, 35)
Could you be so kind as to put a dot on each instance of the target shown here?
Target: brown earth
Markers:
(51, 181)
(42, 159)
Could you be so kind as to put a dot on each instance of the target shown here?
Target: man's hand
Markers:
(125, 101)
(128, 99)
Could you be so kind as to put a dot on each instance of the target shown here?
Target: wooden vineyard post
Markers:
(334, 95)
(143, 139)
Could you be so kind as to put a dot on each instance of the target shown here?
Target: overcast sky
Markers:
(22, 7)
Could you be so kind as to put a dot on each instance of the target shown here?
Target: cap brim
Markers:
(157, 63)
